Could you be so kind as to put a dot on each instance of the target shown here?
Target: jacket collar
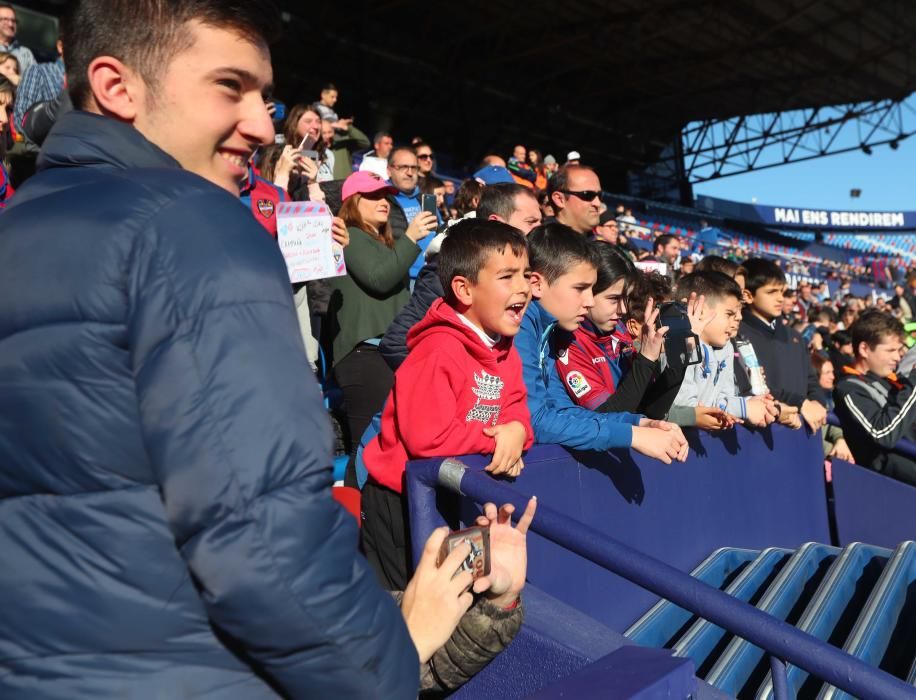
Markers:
(91, 140)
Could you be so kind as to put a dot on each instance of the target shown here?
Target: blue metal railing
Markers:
(781, 640)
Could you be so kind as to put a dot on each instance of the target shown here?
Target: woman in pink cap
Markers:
(365, 302)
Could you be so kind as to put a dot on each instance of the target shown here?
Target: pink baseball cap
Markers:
(364, 182)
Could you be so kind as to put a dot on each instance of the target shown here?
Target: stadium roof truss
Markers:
(717, 148)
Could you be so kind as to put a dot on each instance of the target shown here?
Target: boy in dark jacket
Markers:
(875, 406)
(460, 391)
(780, 350)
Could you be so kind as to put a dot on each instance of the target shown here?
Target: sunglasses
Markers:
(425, 156)
(584, 195)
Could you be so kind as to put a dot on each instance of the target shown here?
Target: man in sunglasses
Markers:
(404, 173)
(575, 193)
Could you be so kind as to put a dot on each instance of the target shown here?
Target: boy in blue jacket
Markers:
(563, 270)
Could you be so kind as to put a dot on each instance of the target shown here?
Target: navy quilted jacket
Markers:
(166, 523)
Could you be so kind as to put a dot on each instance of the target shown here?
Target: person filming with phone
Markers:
(407, 201)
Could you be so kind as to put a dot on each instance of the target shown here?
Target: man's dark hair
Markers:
(662, 241)
(499, 200)
(872, 327)
(647, 285)
(840, 337)
(560, 181)
(329, 86)
(612, 266)
(714, 263)
(712, 285)
(554, 249)
(467, 246)
(146, 34)
(761, 272)
(380, 135)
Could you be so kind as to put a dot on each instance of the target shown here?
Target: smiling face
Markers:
(610, 306)
(373, 208)
(569, 297)
(497, 301)
(8, 24)
(309, 124)
(724, 324)
(215, 89)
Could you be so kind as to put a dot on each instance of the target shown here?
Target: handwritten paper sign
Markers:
(304, 235)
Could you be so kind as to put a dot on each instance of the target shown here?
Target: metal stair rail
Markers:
(783, 642)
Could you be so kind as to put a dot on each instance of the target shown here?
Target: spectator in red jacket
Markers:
(459, 391)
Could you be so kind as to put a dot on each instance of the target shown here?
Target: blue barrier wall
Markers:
(741, 488)
(872, 508)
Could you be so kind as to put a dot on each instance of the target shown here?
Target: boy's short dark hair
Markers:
(647, 285)
(554, 249)
(146, 34)
(760, 272)
(499, 200)
(712, 285)
(715, 263)
(467, 246)
(872, 327)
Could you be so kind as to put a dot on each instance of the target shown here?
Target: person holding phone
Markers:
(303, 131)
(407, 200)
(365, 301)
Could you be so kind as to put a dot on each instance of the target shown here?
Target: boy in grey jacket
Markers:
(712, 381)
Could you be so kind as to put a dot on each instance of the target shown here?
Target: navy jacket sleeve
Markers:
(240, 447)
(554, 417)
(427, 289)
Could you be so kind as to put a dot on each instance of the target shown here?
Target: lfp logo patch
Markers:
(577, 384)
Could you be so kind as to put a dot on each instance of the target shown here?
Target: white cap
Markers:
(573, 155)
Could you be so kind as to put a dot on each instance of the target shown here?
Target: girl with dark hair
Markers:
(606, 369)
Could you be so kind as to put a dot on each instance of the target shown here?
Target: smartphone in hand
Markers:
(428, 203)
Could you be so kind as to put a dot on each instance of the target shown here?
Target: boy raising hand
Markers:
(460, 390)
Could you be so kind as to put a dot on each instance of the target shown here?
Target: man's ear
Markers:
(117, 91)
(746, 296)
(558, 199)
(538, 284)
(496, 217)
(862, 351)
(463, 290)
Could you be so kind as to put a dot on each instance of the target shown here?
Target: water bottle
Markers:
(752, 366)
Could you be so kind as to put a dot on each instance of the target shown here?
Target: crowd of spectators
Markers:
(166, 450)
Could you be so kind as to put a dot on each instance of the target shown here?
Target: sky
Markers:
(887, 179)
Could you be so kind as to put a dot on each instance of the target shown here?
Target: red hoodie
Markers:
(450, 387)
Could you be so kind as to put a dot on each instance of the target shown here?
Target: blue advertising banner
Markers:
(821, 219)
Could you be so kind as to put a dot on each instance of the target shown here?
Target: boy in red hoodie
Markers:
(460, 390)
